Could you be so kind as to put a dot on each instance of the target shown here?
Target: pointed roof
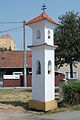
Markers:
(41, 17)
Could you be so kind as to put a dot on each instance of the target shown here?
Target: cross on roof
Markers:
(43, 8)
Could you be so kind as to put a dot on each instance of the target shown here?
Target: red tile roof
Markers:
(5, 36)
(42, 17)
(14, 59)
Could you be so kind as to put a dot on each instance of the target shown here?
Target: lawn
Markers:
(15, 99)
(18, 99)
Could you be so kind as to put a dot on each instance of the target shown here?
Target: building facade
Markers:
(66, 70)
(6, 42)
(12, 62)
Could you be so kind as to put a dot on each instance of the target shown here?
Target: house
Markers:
(12, 62)
(66, 70)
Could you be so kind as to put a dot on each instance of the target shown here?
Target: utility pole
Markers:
(25, 80)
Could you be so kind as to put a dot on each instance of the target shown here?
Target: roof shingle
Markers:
(15, 59)
(42, 17)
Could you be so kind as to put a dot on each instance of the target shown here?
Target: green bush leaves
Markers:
(71, 93)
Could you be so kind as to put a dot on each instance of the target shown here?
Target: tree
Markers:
(67, 37)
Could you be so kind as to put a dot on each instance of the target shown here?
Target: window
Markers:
(75, 75)
(38, 34)
(67, 75)
(49, 34)
(38, 67)
(5, 43)
(49, 67)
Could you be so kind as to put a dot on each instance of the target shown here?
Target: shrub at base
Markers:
(71, 93)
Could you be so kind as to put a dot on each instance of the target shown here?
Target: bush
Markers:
(71, 92)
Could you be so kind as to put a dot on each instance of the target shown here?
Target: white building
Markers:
(43, 62)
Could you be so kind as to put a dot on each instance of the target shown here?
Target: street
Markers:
(20, 115)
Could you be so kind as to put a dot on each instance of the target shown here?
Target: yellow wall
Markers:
(6, 42)
(43, 106)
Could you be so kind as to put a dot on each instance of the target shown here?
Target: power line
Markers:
(11, 29)
(10, 22)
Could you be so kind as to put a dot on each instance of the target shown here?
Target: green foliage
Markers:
(71, 92)
(67, 37)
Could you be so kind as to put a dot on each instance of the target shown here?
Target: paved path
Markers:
(19, 115)
(75, 115)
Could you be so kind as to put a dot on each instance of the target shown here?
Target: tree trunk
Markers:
(71, 70)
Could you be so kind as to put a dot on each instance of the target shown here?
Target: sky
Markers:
(20, 10)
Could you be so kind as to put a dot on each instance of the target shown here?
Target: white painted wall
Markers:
(49, 78)
(43, 84)
(43, 87)
(37, 26)
(38, 80)
(51, 27)
(43, 26)
(11, 77)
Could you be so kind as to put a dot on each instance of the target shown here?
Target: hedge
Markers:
(71, 92)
